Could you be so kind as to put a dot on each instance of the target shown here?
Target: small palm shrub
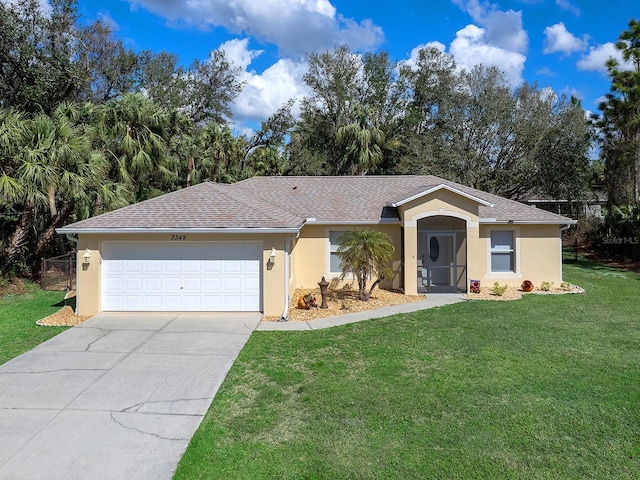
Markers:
(498, 289)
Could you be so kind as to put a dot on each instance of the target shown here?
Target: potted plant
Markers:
(527, 286)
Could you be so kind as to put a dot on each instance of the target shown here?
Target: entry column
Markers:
(410, 249)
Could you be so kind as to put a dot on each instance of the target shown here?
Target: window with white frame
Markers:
(335, 265)
(502, 251)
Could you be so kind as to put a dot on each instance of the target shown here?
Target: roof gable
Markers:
(429, 190)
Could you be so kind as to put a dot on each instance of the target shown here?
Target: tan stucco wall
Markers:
(311, 254)
(89, 277)
(440, 203)
(538, 247)
(538, 255)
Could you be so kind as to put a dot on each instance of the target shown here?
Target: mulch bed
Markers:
(512, 293)
(342, 301)
(65, 317)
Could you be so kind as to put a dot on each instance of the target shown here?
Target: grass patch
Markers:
(18, 315)
(541, 388)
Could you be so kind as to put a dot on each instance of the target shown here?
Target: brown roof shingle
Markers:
(286, 202)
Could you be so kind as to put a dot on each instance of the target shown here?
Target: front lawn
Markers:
(545, 387)
(18, 315)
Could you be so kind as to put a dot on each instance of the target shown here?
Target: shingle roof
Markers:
(362, 198)
(287, 202)
(206, 205)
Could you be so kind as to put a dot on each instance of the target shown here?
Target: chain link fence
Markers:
(58, 273)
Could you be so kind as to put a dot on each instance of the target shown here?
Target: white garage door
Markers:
(181, 276)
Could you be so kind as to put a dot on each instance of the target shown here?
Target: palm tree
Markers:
(366, 254)
(362, 140)
(50, 173)
(134, 132)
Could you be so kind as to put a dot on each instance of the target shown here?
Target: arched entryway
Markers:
(442, 254)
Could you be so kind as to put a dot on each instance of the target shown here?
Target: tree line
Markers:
(88, 125)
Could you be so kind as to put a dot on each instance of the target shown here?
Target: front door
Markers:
(440, 262)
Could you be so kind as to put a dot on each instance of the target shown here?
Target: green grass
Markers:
(18, 315)
(546, 387)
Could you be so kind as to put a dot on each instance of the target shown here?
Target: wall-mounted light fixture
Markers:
(86, 257)
(272, 255)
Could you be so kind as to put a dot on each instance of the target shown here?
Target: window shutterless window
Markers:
(335, 266)
(502, 251)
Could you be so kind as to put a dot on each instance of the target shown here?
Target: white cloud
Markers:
(559, 39)
(265, 92)
(503, 29)
(297, 27)
(597, 57)
(237, 52)
(499, 39)
(545, 71)
(568, 6)
(471, 48)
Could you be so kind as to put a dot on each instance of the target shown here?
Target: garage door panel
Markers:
(133, 284)
(232, 302)
(192, 266)
(212, 266)
(113, 302)
(251, 267)
(114, 284)
(182, 276)
(172, 283)
(153, 266)
(212, 284)
(192, 284)
(231, 284)
(153, 284)
(171, 302)
(212, 302)
(113, 266)
(153, 302)
(232, 266)
(251, 302)
(172, 266)
(251, 285)
(133, 266)
(133, 302)
(192, 302)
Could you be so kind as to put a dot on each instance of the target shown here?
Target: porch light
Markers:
(86, 257)
(272, 255)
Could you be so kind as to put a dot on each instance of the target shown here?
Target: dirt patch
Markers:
(65, 317)
(343, 301)
(14, 286)
(512, 293)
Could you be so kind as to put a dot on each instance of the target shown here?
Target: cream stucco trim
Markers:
(440, 187)
(413, 222)
(489, 275)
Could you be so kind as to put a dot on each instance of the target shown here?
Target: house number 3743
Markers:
(178, 237)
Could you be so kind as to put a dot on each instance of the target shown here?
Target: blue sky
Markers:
(562, 44)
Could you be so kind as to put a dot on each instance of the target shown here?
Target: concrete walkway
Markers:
(121, 395)
(433, 300)
(118, 397)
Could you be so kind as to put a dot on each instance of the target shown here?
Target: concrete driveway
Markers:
(117, 397)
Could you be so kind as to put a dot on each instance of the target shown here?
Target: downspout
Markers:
(562, 229)
(74, 239)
